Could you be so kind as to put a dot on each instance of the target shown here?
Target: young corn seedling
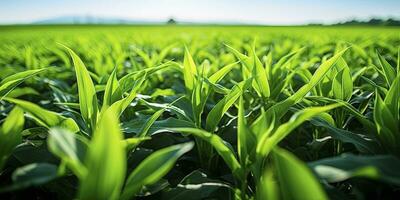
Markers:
(100, 164)
(114, 90)
(198, 88)
(106, 147)
(258, 140)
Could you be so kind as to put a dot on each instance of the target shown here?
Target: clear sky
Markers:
(243, 11)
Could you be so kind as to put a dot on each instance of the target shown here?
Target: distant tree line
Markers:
(371, 22)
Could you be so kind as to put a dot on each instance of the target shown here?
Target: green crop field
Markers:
(199, 112)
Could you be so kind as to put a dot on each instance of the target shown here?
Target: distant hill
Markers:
(111, 20)
(92, 20)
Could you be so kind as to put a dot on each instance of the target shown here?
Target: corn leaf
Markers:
(388, 71)
(266, 144)
(45, 117)
(342, 85)
(347, 166)
(246, 141)
(146, 127)
(392, 99)
(86, 91)
(215, 115)
(129, 81)
(9, 83)
(153, 168)
(70, 148)
(10, 134)
(260, 77)
(222, 148)
(220, 74)
(31, 175)
(120, 105)
(242, 58)
(111, 90)
(295, 179)
(386, 125)
(279, 109)
(105, 161)
(189, 71)
(267, 187)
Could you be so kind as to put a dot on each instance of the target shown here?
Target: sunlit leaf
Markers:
(105, 161)
(153, 168)
(87, 93)
(45, 117)
(295, 179)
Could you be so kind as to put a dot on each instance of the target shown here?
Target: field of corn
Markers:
(199, 112)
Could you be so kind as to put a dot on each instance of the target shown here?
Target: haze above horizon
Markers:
(284, 12)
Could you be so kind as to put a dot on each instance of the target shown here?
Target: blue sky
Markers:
(244, 11)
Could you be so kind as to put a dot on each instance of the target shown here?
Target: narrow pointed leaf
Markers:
(246, 139)
(220, 74)
(153, 168)
(219, 145)
(189, 71)
(296, 180)
(375, 167)
(216, 114)
(9, 83)
(342, 86)
(111, 89)
(266, 144)
(105, 161)
(279, 109)
(387, 69)
(10, 134)
(45, 117)
(70, 148)
(120, 105)
(260, 77)
(392, 99)
(86, 91)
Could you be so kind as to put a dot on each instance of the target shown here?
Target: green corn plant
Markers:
(198, 88)
(265, 142)
(114, 90)
(296, 181)
(10, 134)
(386, 70)
(271, 79)
(386, 117)
(342, 89)
(100, 164)
(87, 93)
(253, 151)
(256, 141)
(156, 58)
(342, 85)
(11, 82)
(44, 117)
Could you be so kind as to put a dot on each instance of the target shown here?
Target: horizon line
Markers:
(91, 19)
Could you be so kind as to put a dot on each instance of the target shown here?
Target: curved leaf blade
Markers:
(45, 117)
(105, 161)
(153, 168)
(295, 178)
(86, 91)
